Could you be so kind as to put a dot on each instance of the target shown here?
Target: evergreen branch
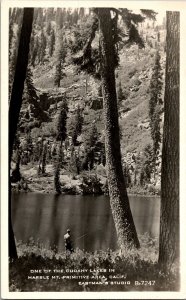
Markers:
(148, 13)
(134, 37)
(85, 59)
(131, 20)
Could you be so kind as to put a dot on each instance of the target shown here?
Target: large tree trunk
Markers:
(119, 201)
(169, 222)
(16, 101)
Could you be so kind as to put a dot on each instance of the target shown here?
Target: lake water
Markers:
(46, 217)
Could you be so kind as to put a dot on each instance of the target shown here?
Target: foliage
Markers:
(155, 91)
(52, 42)
(90, 140)
(148, 165)
(57, 183)
(42, 48)
(31, 95)
(43, 159)
(155, 130)
(76, 125)
(76, 27)
(142, 262)
(74, 163)
(91, 185)
(62, 120)
(15, 15)
(16, 175)
(60, 52)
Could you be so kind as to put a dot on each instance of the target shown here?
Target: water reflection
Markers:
(47, 217)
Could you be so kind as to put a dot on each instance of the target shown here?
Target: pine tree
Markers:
(75, 16)
(52, 42)
(57, 183)
(40, 152)
(48, 28)
(42, 47)
(104, 64)
(81, 12)
(74, 163)
(155, 101)
(78, 123)
(60, 18)
(147, 165)
(30, 94)
(61, 52)
(155, 130)
(35, 51)
(90, 141)
(62, 120)
(29, 146)
(43, 159)
(49, 18)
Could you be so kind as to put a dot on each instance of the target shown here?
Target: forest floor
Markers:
(70, 183)
(41, 269)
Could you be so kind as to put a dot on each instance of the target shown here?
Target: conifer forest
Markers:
(94, 114)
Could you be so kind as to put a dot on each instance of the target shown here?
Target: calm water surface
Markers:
(46, 218)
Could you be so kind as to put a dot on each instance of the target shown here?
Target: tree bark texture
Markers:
(169, 219)
(119, 201)
(16, 101)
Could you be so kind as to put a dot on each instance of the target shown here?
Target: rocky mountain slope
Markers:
(133, 77)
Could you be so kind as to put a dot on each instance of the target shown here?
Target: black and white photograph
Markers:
(93, 152)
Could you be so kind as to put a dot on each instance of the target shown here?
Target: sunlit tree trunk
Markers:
(119, 201)
(169, 222)
(16, 101)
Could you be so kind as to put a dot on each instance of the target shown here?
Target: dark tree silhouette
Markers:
(61, 52)
(169, 220)
(91, 140)
(119, 201)
(52, 42)
(16, 101)
(155, 101)
(62, 121)
(57, 183)
(102, 63)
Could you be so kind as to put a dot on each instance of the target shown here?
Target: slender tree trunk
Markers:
(119, 201)
(169, 222)
(16, 101)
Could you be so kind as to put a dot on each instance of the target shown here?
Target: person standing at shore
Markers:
(68, 242)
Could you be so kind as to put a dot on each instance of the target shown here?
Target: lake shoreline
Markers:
(87, 183)
(111, 266)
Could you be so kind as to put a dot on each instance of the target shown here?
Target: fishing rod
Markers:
(81, 236)
(88, 233)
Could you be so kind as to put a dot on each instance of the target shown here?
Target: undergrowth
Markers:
(85, 271)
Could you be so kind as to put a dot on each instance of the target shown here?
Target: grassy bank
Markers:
(126, 270)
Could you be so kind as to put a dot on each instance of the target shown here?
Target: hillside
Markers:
(133, 75)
